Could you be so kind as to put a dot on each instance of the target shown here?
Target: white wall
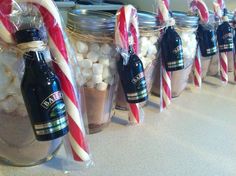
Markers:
(182, 5)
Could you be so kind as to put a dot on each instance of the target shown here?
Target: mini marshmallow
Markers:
(87, 73)
(152, 50)
(153, 39)
(102, 86)
(79, 57)
(93, 56)
(104, 62)
(94, 47)
(106, 73)
(97, 79)
(86, 63)
(106, 49)
(97, 69)
(82, 47)
(143, 40)
(90, 84)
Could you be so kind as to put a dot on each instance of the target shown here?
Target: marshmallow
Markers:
(82, 47)
(152, 50)
(143, 40)
(106, 49)
(9, 104)
(97, 79)
(104, 62)
(90, 84)
(102, 86)
(86, 63)
(93, 56)
(153, 39)
(94, 47)
(87, 74)
(106, 73)
(97, 69)
(79, 57)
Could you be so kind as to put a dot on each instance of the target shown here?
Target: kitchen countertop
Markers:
(196, 136)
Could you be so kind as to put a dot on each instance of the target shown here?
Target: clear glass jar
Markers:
(18, 145)
(149, 35)
(212, 67)
(186, 27)
(91, 35)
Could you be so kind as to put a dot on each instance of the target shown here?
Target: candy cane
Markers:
(224, 67)
(5, 24)
(126, 22)
(202, 9)
(197, 71)
(166, 95)
(57, 44)
(223, 55)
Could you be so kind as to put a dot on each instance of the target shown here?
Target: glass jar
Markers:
(186, 27)
(214, 65)
(149, 35)
(91, 34)
(18, 145)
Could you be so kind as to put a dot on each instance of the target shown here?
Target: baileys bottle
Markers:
(41, 90)
(172, 50)
(132, 78)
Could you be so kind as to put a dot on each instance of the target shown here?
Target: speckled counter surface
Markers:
(196, 136)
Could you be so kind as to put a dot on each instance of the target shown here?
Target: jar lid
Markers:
(148, 20)
(90, 21)
(183, 19)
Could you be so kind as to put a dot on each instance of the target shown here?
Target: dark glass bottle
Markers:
(133, 79)
(41, 91)
(225, 37)
(172, 50)
(206, 37)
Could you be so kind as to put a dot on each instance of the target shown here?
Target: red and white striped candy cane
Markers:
(52, 21)
(224, 67)
(204, 17)
(166, 94)
(197, 70)
(5, 24)
(127, 21)
(202, 9)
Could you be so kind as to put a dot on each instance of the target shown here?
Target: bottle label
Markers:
(55, 108)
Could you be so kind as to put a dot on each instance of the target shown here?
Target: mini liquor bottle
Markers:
(172, 50)
(41, 89)
(132, 78)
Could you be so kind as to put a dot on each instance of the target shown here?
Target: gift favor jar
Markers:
(149, 35)
(91, 34)
(186, 27)
(18, 143)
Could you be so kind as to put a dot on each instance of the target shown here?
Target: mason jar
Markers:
(18, 145)
(91, 34)
(149, 29)
(186, 27)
